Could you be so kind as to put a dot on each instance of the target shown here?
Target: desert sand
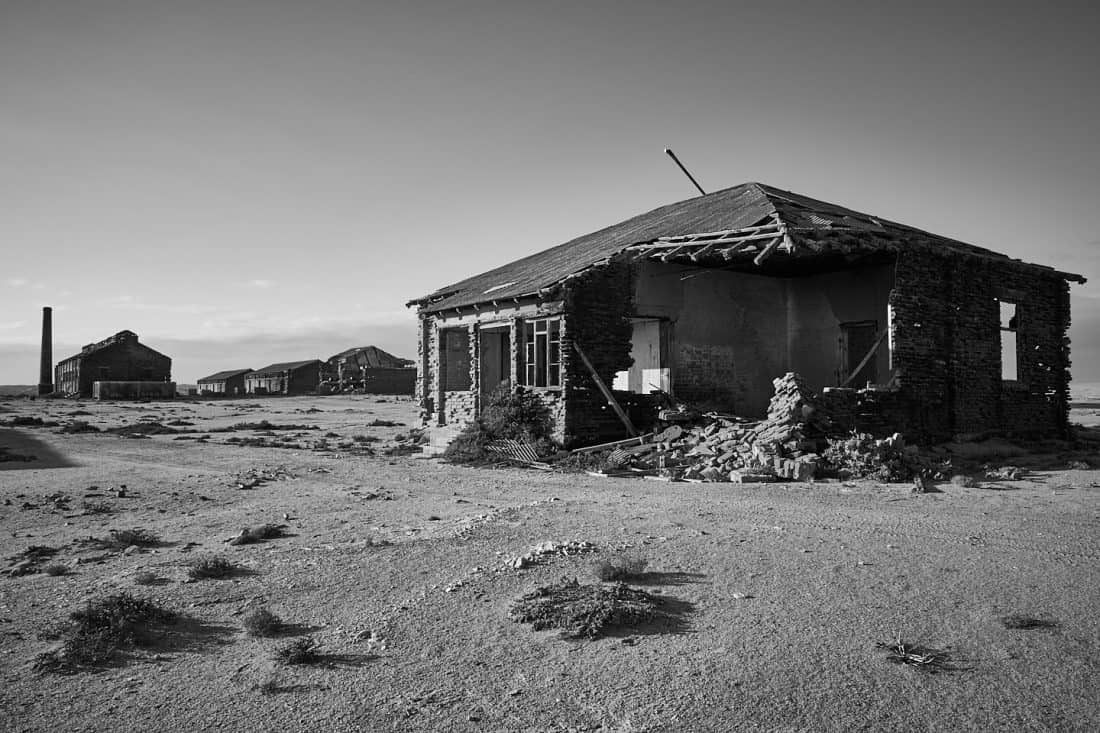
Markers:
(775, 595)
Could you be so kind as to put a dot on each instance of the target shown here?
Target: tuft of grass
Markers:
(97, 632)
(385, 424)
(211, 567)
(262, 622)
(299, 651)
(1019, 621)
(584, 611)
(98, 507)
(56, 569)
(120, 539)
(924, 658)
(620, 568)
(79, 426)
(146, 577)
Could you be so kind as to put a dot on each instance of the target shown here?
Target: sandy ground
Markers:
(775, 594)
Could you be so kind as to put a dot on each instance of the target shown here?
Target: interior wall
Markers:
(728, 332)
(818, 304)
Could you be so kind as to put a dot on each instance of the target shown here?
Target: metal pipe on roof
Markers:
(669, 153)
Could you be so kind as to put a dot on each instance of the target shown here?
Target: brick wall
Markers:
(947, 346)
(598, 308)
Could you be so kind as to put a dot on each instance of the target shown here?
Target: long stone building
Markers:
(132, 369)
(711, 298)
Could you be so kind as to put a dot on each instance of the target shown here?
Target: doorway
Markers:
(495, 359)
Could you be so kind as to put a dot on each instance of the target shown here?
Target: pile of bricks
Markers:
(783, 445)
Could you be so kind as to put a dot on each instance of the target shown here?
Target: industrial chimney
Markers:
(45, 372)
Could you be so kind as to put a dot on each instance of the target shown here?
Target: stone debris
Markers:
(784, 445)
(255, 477)
(545, 551)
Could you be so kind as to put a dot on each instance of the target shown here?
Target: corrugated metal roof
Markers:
(733, 208)
(222, 376)
(373, 357)
(287, 366)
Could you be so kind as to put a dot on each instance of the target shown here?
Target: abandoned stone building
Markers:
(119, 367)
(369, 369)
(287, 378)
(227, 383)
(709, 299)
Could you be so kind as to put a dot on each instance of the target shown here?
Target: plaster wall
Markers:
(817, 306)
(728, 332)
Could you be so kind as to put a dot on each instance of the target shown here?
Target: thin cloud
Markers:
(12, 325)
(16, 282)
(261, 283)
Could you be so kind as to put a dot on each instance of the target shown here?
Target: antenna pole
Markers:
(672, 155)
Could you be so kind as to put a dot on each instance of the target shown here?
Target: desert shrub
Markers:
(120, 539)
(97, 507)
(262, 622)
(211, 567)
(56, 569)
(518, 415)
(620, 568)
(79, 426)
(299, 651)
(584, 610)
(146, 577)
(385, 424)
(101, 628)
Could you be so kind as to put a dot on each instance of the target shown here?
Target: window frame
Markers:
(540, 357)
(1013, 327)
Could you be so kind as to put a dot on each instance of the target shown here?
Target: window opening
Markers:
(542, 352)
(1010, 357)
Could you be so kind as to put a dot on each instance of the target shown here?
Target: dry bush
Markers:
(1019, 621)
(146, 577)
(584, 610)
(211, 567)
(79, 426)
(102, 628)
(97, 507)
(120, 539)
(622, 567)
(299, 651)
(56, 570)
(262, 622)
(506, 415)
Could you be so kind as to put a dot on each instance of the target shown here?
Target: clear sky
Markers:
(248, 182)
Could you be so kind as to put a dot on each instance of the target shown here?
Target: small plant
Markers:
(921, 657)
(79, 426)
(120, 539)
(506, 415)
(299, 651)
(1019, 621)
(385, 424)
(262, 622)
(146, 577)
(100, 629)
(620, 568)
(365, 438)
(211, 567)
(56, 570)
(98, 507)
(584, 610)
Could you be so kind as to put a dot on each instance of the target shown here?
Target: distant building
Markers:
(368, 369)
(116, 367)
(224, 383)
(289, 378)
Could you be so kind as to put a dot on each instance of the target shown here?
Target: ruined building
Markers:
(118, 367)
(711, 298)
(368, 369)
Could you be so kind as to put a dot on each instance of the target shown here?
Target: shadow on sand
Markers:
(20, 451)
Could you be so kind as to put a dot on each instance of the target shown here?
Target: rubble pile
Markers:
(723, 448)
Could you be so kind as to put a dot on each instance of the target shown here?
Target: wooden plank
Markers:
(606, 392)
(640, 440)
(759, 259)
(867, 358)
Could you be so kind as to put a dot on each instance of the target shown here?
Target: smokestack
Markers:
(45, 372)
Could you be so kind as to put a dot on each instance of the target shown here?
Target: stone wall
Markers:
(946, 339)
(598, 308)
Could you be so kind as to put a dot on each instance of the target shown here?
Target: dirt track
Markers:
(776, 594)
